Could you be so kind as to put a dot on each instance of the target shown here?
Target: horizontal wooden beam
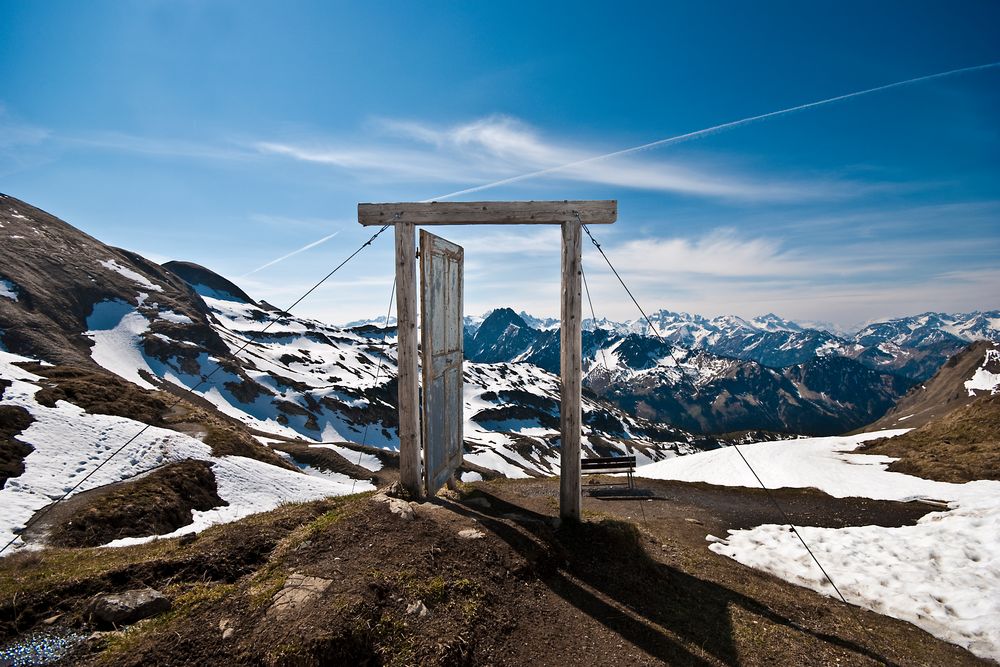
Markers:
(598, 212)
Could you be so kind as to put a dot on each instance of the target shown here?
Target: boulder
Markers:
(298, 591)
(128, 607)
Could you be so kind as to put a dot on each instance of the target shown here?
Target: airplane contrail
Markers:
(291, 254)
(710, 130)
(662, 142)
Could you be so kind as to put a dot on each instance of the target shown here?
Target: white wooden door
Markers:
(441, 328)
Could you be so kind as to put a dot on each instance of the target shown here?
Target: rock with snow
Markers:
(986, 379)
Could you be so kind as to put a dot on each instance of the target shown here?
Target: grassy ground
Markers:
(154, 504)
(633, 584)
(963, 445)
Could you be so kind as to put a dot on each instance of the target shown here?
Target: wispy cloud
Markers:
(14, 132)
(708, 131)
(500, 146)
(725, 253)
(157, 146)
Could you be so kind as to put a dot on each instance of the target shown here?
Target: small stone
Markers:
(418, 608)
(690, 520)
(52, 619)
(471, 534)
(227, 633)
(396, 506)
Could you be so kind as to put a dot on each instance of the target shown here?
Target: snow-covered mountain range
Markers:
(698, 389)
(913, 347)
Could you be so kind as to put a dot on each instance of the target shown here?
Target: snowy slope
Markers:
(943, 574)
(306, 380)
(69, 443)
(512, 424)
(986, 379)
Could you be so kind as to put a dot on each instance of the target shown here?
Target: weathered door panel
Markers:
(441, 282)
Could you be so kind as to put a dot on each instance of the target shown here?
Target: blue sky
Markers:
(232, 133)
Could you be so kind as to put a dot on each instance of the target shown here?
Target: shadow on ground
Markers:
(671, 615)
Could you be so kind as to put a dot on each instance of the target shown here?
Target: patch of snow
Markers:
(359, 485)
(212, 293)
(943, 574)
(984, 380)
(471, 476)
(8, 289)
(116, 328)
(363, 459)
(176, 318)
(138, 278)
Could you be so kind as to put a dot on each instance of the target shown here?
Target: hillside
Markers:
(62, 286)
(947, 390)
(956, 416)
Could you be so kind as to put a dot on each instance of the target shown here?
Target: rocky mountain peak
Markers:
(208, 283)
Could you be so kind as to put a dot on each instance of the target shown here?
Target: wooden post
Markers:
(406, 327)
(571, 372)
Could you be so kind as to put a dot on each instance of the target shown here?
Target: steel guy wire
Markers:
(670, 347)
(593, 317)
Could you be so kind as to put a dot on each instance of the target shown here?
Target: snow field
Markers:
(942, 574)
(69, 443)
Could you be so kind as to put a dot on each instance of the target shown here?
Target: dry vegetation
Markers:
(961, 446)
(154, 504)
(13, 420)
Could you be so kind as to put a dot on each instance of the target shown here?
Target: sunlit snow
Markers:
(138, 278)
(943, 574)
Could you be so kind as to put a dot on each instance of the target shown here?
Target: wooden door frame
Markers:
(571, 216)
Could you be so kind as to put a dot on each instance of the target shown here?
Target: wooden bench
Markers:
(607, 465)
